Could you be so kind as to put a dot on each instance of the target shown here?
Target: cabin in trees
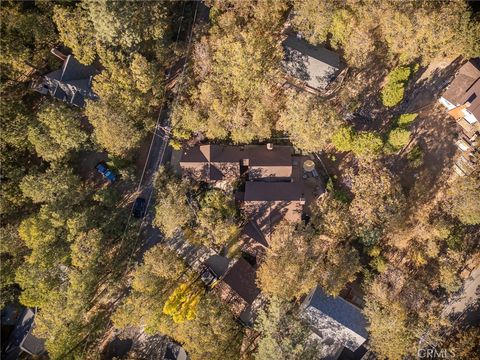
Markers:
(338, 325)
(310, 67)
(273, 187)
(462, 100)
(72, 83)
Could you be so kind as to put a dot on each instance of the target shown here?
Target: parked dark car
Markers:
(106, 172)
(139, 207)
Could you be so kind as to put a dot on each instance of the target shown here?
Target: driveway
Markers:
(469, 295)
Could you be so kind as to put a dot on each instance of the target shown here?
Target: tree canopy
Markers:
(299, 259)
(462, 199)
(417, 30)
(309, 122)
(237, 61)
(57, 132)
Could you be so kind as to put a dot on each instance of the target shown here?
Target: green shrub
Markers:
(367, 144)
(363, 144)
(370, 237)
(406, 120)
(455, 242)
(374, 251)
(342, 139)
(338, 194)
(394, 89)
(415, 156)
(398, 138)
(379, 263)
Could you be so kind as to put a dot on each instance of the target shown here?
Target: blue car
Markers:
(106, 172)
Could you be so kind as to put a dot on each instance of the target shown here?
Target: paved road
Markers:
(160, 152)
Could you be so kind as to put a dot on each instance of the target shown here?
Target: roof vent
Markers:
(269, 146)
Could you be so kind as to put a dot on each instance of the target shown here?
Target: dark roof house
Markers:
(335, 319)
(22, 339)
(314, 66)
(72, 83)
(174, 351)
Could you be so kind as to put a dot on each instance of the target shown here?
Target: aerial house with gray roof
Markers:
(335, 322)
(71, 84)
(314, 67)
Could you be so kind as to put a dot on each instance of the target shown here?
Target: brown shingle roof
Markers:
(466, 77)
(473, 97)
(261, 161)
(241, 279)
(268, 203)
(272, 191)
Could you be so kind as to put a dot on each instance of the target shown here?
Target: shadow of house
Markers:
(71, 84)
(335, 321)
(314, 66)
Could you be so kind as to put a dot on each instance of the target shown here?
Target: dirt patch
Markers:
(434, 131)
(85, 162)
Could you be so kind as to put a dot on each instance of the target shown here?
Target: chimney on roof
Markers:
(269, 146)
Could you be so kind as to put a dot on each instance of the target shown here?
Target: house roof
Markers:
(466, 87)
(268, 203)
(336, 318)
(472, 96)
(72, 83)
(175, 352)
(216, 162)
(272, 191)
(314, 65)
(241, 279)
(253, 231)
(30, 343)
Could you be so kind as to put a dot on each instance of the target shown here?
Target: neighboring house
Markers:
(238, 288)
(336, 324)
(462, 99)
(71, 84)
(22, 339)
(313, 66)
(174, 351)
